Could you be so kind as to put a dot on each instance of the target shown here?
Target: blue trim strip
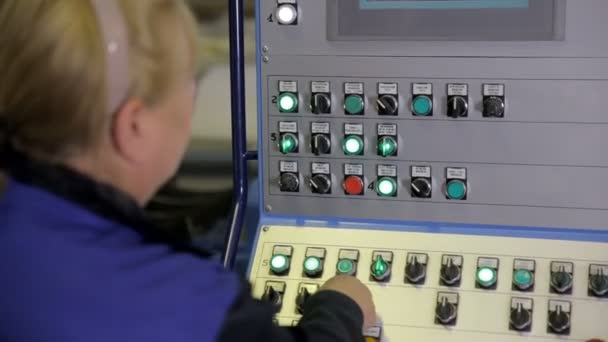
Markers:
(441, 4)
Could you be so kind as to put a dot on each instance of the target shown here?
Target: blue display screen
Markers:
(442, 4)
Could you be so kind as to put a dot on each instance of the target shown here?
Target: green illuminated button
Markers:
(279, 264)
(346, 267)
(486, 277)
(353, 145)
(380, 269)
(523, 279)
(386, 187)
(387, 146)
(312, 266)
(288, 143)
(422, 106)
(288, 103)
(354, 104)
(456, 190)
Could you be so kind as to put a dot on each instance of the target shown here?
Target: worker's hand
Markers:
(596, 340)
(357, 291)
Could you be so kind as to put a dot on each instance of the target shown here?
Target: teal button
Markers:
(422, 106)
(354, 104)
(288, 103)
(279, 263)
(523, 279)
(346, 266)
(312, 266)
(456, 190)
(486, 276)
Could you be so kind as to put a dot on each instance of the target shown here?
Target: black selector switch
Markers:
(388, 99)
(562, 277)
(320, 182)
(458, 100)
(446, 311)
(304, 293)
(415, 269)
(289, 180)
(320, 101)
(598, 281)
(521, 314)
(320, 142)
(421, 182)
(273, 293)
(451, 270)
(559, 319)
(494, 100)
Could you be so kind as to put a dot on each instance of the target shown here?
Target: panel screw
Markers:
(268, 208)
(266, 59)
(266, 228)
(265, 48)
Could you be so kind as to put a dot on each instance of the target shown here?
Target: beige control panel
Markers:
(434, 287)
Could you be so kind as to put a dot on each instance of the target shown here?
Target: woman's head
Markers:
(55, 87)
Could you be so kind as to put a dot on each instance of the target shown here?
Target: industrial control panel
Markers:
(457, 145)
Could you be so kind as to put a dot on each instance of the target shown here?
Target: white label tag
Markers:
(353, 169)
(351, 254)
(387, 256)
(387, 171)
(596, 269)
(316, 252)
(456, 260)
(422, 89)
(320, 87)
(353, 88)
(282, 250)
(522, 264)
(288, 127)
(276, 285)
(567, 267)
(387, 129)
(374, 332)
(452, 298)
(456, 173)
(356, 129)
(319, 128)
(288, 86)
(388, 89)
(553, 304)
(322, 168)
(421, 171)
(493, 90)
(458, 90)
(288, 166)
(293, 2)
(421, 258)
(526, 303)
(487, 262)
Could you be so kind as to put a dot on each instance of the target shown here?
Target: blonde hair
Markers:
(52, 67)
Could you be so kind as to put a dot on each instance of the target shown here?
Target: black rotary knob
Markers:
(320, 184)
(289, 182)
(458, 107)
(421, 188)
(494, 107)
(598, 283)
(320, 144)
(301, 300)
(521, 319)
(445, 312)
(561, 281)
(415, 272)
(387, 105)
(450, 273)
(272, 296)
(559, 321)
(320, 103)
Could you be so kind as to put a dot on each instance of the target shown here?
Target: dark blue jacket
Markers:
(79, 262)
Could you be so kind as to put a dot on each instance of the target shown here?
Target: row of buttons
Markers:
(386, 184)
(387, 99)
(561, 282)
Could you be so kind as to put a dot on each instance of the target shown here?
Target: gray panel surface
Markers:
(543, 164)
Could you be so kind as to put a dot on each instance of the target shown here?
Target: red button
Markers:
(353, 185)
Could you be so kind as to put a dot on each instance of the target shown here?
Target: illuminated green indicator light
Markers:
(456, 190)
(279, 263)
(387, 187)
(346, 266)
(523, 278)
(422, 106)
(379, 268)
(354, 104)
(288, 144)
(288, 103)
(486, 276)
(312, 265)
(386, 147)
(353, 145)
